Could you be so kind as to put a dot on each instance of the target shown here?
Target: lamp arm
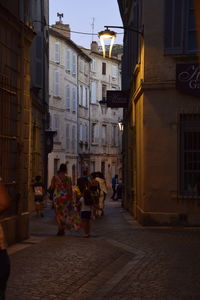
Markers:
(127, 28)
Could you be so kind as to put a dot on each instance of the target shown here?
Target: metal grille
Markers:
(189, 145)
(8, 135)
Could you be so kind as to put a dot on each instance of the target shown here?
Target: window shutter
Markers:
(67, 96)
(114, 72)
(93, 92)
(73, 138)
(96, 137)
(67, 137)
(74, 64)
(68, 61)
(174, 26)
(57, 128)
(57, 52)
(80, 132)
(56, 83)
(74, 99)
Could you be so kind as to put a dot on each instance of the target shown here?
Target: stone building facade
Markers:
(23, 108)
(89, 137)
(162, 131)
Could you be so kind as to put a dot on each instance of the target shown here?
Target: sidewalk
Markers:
(122, 260)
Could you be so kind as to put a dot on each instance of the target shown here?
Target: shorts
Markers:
(38, 199)
(86, 215)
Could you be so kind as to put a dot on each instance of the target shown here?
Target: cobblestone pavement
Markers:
(122, 260)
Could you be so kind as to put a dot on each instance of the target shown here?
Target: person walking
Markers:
(95, 192)
(5, 202)
(39, 192)
(86, 203)
(103, 192)
(66, 215)
(114, 186)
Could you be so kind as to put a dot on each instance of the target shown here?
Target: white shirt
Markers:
(84, 207)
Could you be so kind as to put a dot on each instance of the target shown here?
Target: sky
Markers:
(79, 14)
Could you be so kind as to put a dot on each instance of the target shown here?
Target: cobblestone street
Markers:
(122, 260)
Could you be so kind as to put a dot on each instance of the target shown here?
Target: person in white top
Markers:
(86, 203)
(4, 259)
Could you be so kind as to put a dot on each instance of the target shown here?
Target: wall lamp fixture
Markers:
(108, 34)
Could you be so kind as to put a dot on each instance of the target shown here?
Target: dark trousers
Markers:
(4, 272)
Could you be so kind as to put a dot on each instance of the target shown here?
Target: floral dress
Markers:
(66, 213)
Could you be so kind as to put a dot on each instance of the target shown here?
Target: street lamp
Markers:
(107, 34)
(121, 125)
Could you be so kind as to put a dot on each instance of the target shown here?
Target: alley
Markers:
(122, 260)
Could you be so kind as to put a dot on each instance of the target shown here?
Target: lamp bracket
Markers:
(127, 28)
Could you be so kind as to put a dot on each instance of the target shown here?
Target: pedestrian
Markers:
(119, 189)
(102, 192)
(95, 192)
(66, 216)
(39, 192)
(5, 202)
(114, 186)
(86, 203)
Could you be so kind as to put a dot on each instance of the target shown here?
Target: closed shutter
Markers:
(74, 100)
(67, 137)
(74, 65)
(67, 96)
(68, 61)
(73, 138)
(56, 83)
(57, 52)
(174, 20)
(57, 128)
(93, 92)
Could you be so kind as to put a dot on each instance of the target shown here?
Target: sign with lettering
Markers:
(188, 78)
(117, 99)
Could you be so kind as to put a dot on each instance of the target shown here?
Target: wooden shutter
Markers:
(67, 96)
(57, 52)
(68, 61)
(174, 26)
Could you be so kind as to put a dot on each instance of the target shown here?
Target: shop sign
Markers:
(117, 99)
(188, 78)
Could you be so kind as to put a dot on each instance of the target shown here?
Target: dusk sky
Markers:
(79, 15)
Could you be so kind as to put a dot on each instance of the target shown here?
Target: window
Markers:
(81, 65)
(104, 92)
(93, 92)
(57, 53)
(114, 135)
(56, 83)
(104, 135)
(67, 137)
(73, 138)
(84, 96)
(114, 72)
(189, 153)
(81, 95)
(68, 61)
(81, 132)
(93, 65)
(57, 128)
(94, 133)
(104, 68)
(74, 99)
(180, 28)
(74, 65)
(67, 92)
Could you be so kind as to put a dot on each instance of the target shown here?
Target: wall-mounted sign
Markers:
(188, 78)
(117, 99)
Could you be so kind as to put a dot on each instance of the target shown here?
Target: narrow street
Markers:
(122, 260)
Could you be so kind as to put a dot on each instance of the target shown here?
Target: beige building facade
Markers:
(162, 128)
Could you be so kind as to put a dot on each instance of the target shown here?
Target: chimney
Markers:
(94, 47)
(64, 29)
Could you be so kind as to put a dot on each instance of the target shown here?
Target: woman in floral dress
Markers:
(66, 215)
